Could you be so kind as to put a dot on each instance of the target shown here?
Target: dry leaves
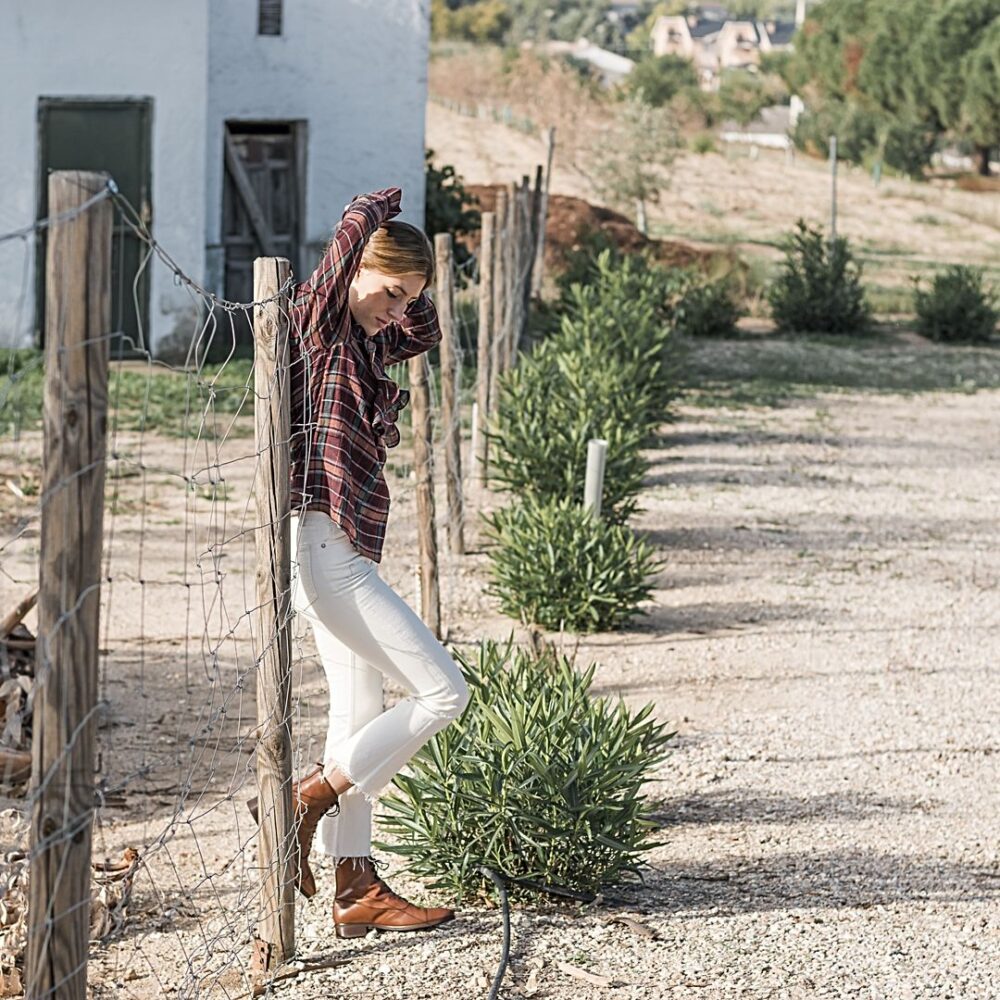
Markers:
(111, 891)
(584, 976)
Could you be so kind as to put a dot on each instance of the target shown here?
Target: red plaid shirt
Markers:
(344, 406)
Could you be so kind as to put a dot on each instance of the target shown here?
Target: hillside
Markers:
(900, 228)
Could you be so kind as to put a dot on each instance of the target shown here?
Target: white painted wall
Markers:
(109, 49)
(354, 70)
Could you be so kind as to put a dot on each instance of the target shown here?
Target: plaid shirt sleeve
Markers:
(321, 301)
(417, 332)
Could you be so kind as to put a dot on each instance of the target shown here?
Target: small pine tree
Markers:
(819, 289)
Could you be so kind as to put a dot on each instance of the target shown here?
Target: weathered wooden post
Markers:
(501, 304)
(77, 337)
(450, 411)
(484, 371)
(430, 598)
(593, 486)
(274, 940)
(526, 254)
(473, 436)
(513, 266)
(539, 265)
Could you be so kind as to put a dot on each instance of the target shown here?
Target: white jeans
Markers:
(365, 631)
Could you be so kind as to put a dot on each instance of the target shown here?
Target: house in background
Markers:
(714, 42)
(237, 128)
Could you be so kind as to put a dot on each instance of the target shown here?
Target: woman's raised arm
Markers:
(320, 303)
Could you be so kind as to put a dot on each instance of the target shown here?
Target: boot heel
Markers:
(252, 806)
(351, 930)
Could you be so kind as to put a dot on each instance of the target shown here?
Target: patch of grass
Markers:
(890, 299)
(774, 371)
(877, 249)
(171, 402)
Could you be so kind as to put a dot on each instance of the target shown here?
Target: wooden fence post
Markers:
(539, 267)
(500, 281)
(512, 312)
(430, 599)
(274, 940)
(77, 335)
(450, 407)
(485, 335)
(526, 258)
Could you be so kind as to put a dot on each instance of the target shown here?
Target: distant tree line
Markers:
(509, 22)
(891, 78)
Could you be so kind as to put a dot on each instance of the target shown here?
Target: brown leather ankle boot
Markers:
(312, 798)
(364, 901)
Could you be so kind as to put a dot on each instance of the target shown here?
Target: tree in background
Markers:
(945, 48)
(896, 75)
(483, 21)
(981, 108)
(830, 48)
(630, 163)
(449, 208)
(757, 10)
(659, 79)
(888, 76)
(742, 95)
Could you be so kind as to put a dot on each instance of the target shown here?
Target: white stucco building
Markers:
(237, 127)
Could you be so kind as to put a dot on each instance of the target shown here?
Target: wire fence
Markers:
(131, 513)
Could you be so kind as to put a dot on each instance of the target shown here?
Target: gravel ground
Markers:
(823, 638)
(825, 641)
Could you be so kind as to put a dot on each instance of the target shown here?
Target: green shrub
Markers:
(580, 262)
(627, 309)
(537, 780)
(556, 565)
(819, 287)
(708, 310)
(449, 208)
(957, 307)
(550, 406)
(703, 142)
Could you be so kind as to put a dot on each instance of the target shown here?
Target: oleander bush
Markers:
(550, 406)
(557, 566)
(627, 309)
(819, 287)
(958, 307)
(538, 781)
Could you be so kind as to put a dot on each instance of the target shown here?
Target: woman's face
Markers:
(378, 299)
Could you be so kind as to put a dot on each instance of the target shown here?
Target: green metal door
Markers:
(111, 136)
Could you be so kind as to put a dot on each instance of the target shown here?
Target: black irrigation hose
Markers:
(501, 883)
(505, 955)
(554, 890)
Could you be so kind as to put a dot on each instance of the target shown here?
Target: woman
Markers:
(363, 308)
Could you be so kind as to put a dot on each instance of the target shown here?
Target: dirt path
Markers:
(824, 637)
(825, 640)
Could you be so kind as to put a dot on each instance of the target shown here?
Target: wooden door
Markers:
(261, 200)
(110, 136)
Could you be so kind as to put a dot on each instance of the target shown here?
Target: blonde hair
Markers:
(398, 248)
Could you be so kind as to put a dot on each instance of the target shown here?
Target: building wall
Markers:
(354, 71)
(106, 49)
